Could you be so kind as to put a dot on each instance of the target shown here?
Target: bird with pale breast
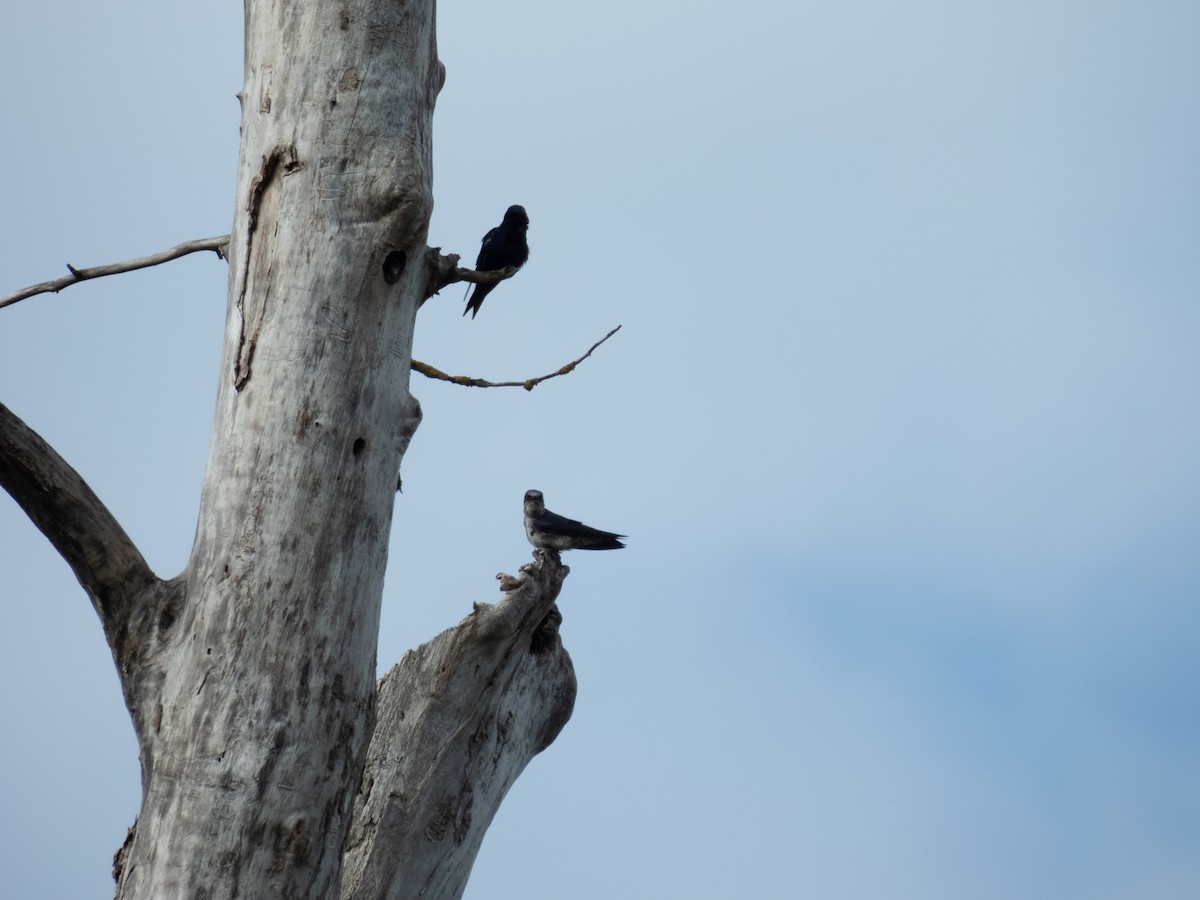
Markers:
(550, 531)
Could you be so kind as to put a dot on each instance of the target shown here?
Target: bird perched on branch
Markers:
(503, 246)
(551, 531)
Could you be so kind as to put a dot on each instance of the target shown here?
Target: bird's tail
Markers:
(473, 306)
(603, 540)
(476, 301)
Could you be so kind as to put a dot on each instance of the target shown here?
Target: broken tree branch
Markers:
(216, 244)
(529, 384)
(456, 721)
(444, 270)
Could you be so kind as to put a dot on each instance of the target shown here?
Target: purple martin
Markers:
(503, 246)
(550, 531)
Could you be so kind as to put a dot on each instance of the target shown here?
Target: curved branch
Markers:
(81, 528)
(216, 244)
(529, 384)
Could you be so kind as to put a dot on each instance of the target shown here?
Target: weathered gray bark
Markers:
(458, 719)
(255, 739)
(250, 677)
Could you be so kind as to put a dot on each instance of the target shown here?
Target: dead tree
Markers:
(273, 764)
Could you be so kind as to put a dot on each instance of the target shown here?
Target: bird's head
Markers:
(535, 504)
(516, 216)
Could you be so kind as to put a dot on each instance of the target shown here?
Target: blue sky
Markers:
(902, 421)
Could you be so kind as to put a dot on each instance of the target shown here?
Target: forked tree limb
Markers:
(216, 244)
(456, 721)
(80, 527)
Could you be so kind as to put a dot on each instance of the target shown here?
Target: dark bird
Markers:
(503, 246)
(551, 531)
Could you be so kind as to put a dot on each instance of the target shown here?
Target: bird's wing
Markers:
(488, 251)
(553, 523)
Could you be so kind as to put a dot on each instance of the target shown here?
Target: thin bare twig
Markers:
(216, 244)
(529, 384)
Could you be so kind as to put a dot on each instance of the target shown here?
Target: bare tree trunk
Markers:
(250, 677)
(254, 736)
